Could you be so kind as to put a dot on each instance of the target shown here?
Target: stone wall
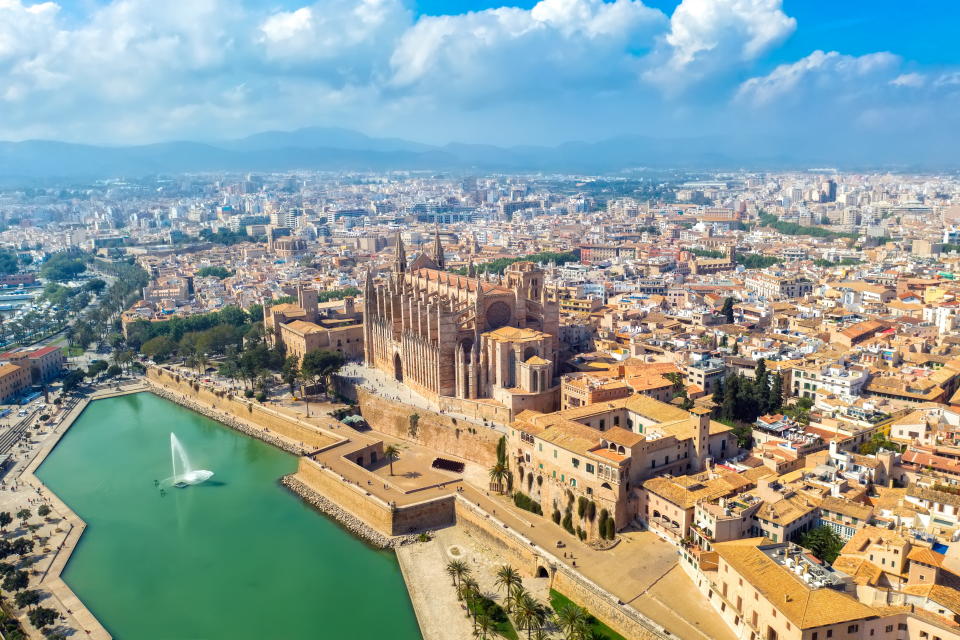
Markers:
(310, 436)
(477, 409)
(489, 531)
(604, 607)
(387, 520)
(441, 433)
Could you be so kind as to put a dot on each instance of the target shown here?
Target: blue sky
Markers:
(123, 71)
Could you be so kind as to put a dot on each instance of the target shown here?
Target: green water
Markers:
(237, 557)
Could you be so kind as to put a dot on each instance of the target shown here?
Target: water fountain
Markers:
(187, 474)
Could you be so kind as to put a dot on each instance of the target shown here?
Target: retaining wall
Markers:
(288, 427)
(441, 433)
(386, 519)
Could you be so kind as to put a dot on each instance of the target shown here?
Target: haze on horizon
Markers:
(138, 71)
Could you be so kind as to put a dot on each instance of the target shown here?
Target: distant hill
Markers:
(337, 149)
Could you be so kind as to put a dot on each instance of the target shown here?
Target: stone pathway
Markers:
(57, 535)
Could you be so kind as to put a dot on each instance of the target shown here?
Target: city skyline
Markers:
(127, 72)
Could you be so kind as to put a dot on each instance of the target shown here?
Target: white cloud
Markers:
(819, 74)
(710, 36)
(909, 80)
(362, 32)
(557, 46)
(142, 70)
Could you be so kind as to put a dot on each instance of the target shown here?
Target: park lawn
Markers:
(73, 352)
(501, 623)
(600, 630)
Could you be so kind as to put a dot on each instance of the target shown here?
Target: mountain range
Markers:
(335, 149)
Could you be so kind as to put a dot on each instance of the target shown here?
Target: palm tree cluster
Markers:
(528, 613)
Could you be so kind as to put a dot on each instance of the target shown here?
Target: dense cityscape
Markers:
(479, 319)
(676, 404)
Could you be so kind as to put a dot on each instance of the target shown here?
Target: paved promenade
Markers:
(58, 534)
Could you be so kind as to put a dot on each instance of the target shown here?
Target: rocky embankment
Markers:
(350, 522)
(225, 418)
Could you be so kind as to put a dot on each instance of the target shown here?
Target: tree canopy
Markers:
(61, 267)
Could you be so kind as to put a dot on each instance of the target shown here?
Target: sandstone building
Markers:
(464, 337)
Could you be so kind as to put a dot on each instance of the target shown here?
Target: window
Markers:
(853, 628)
(829, 633)
(589, 468)
(889, 628)
(603, 424)
(576, 463)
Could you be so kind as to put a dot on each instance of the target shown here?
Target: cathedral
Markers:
(475, 339)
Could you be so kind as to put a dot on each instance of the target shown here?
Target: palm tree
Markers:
(509, 579)
(498, 476)
(457, 569)
(483, 626)
(391, 453)
(529, 613)
(469, 589)
(572, 620)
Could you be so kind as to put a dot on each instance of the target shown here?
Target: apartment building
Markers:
(14, 380)
(775, 287)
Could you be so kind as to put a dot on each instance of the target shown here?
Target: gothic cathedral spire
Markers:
(438, 252)
(401, 260)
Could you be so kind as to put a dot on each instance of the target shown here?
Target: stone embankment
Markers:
(349, 521)
(260, 433)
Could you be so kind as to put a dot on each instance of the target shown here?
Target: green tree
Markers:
(43, 510)
(291, 371)
(5, 520)
(727, 310)
(22, 546)
(761, 383)
(159, 348)
(8, 262)
(508, 579)
(391, 453)
(72, 380)
(16, 581)
(823, 542)
(96, 368)
(529, 613)
(94, 286)
(776, 393)
(320, 364)
(42, 617)
(498, 476)
(573, 621)
(28, 598)
(457, 570)
(217, 272)
(62, 267)
(24, 514)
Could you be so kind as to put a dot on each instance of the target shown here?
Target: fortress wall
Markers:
(442, 433)
(310, 436)
(390, 521)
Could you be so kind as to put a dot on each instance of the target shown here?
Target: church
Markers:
(465, 342)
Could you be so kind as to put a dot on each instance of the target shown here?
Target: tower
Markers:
(401, 259)
(438, 252)
(701, 436)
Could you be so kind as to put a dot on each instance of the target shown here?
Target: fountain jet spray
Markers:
(186, 474)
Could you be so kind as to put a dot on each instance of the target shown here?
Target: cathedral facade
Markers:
(466, 337)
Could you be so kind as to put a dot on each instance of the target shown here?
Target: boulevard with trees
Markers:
(16, 557)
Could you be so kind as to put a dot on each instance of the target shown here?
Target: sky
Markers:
(826, 72)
